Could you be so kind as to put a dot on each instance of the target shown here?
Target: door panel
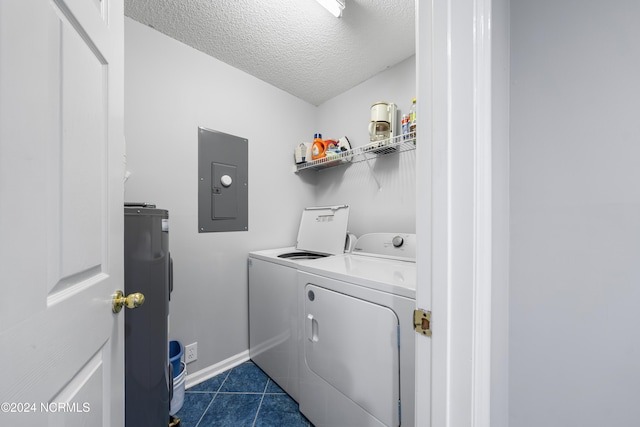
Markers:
(76, 396)
(61, 251)
(82, 151)
(83, 154)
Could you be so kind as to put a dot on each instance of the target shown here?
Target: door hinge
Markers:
(422, 322)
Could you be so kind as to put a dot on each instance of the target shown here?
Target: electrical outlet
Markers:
(191, 353)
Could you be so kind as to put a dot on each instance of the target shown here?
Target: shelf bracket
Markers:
(373, 174)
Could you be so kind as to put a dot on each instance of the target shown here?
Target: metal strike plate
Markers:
(422, 322)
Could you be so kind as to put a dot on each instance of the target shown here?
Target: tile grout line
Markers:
(260, 405)
(214, 398)
(206, 409)
(237, 392)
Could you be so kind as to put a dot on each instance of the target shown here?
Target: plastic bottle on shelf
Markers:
(405, 127)
(412, 120)
(319, 148)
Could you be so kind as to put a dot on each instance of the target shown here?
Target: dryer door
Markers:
(352, 344)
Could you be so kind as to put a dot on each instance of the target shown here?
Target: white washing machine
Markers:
(357, 357)
(273, 297)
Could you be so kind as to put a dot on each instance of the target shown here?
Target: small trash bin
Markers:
(175, 356)
(178, 389)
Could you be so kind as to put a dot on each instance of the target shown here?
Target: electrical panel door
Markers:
(222, 182)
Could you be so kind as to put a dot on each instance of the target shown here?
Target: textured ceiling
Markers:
(295, 45)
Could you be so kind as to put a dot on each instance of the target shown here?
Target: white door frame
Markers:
(454, 211)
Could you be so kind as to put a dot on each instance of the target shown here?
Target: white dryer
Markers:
(274, 336)
(357, 357)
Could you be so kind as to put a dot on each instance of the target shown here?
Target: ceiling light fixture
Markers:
(333, 6)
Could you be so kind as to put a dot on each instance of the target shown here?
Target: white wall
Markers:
(575, 213)
(170, 90)
(390, 206)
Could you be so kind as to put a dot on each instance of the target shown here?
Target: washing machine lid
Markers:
(323, 229)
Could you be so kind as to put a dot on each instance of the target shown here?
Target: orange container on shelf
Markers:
(318, 149)
(331, 145)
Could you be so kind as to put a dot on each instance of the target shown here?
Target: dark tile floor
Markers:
(241, 396)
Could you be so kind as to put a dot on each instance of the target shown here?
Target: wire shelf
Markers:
(397, 144)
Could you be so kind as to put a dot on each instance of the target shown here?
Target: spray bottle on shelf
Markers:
(412, 120)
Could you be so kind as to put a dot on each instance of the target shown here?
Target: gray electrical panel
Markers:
(223, 163)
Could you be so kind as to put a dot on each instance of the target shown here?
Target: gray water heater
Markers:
(148, 270)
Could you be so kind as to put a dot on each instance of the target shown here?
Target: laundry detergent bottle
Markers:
(319, 147)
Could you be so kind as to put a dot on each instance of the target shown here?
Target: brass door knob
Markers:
(130, 301)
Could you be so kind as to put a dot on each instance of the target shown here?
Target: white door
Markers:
(61, 213)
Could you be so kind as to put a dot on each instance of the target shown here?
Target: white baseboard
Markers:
(213, 370)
